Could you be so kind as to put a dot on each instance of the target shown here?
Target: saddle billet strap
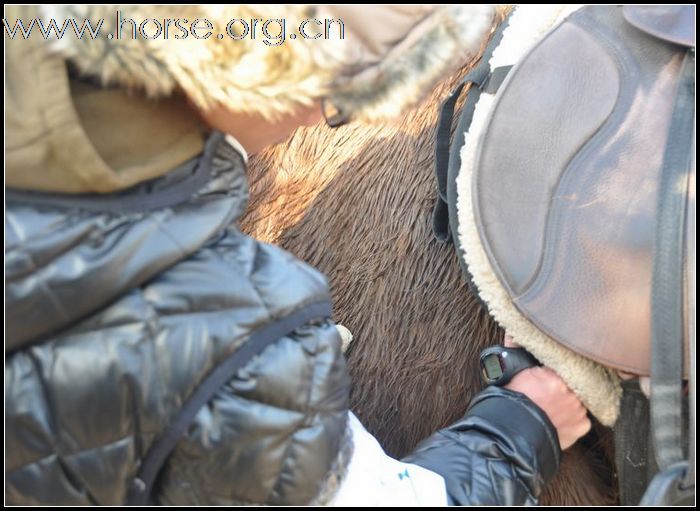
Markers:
(140, 492)
(667, 301)
(634, 459)
(690, 322)
(482, 80)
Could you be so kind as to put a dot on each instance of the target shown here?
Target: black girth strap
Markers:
(670, 485)
(141, 488)
(482, 80)
(634, 460)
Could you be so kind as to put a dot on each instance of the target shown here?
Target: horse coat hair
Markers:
(356, 202)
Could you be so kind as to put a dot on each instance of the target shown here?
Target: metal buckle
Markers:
(667, 488)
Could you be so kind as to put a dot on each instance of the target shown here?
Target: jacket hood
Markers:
(71, 136)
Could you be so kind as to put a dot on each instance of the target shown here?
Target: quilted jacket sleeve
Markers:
(502, 452)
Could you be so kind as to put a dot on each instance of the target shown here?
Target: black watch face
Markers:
(491, 367)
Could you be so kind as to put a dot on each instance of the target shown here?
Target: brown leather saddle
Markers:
(583, 193)
(568, 172)
(573, 155)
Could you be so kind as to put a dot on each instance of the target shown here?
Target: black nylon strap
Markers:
(480, 78)
(667, 294)
(442, 137)
(141, 487)
(441, 220)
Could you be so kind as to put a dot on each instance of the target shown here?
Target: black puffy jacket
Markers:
(120, 309)
(503, 452)
(125, 316)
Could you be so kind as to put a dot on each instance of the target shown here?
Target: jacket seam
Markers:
(517, 480)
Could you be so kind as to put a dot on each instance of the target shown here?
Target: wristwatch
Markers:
(499, 364)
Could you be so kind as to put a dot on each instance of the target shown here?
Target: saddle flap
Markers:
(566, 180)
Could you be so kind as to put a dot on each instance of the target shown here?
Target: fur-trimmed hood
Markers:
(389, 58)
(102, 113)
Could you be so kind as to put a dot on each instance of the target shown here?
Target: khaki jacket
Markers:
(68, 135)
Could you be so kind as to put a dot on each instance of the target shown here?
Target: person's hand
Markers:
(548, 391)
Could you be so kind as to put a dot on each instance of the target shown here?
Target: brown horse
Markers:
(356, 203)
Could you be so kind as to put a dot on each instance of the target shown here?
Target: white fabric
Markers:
(375, 479)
